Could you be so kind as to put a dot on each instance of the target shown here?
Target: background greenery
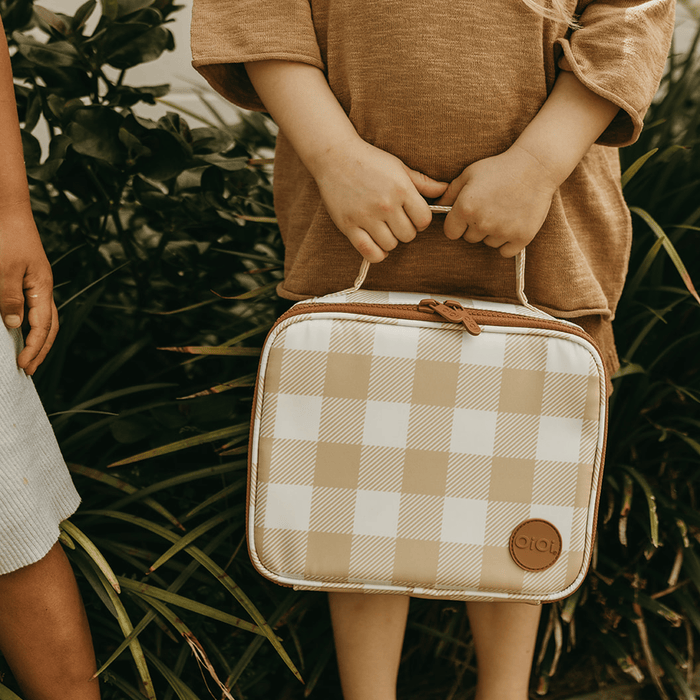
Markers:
(166, 255)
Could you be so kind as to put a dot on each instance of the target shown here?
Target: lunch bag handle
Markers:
(519, 268)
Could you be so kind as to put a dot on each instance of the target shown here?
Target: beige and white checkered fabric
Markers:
(398, 456)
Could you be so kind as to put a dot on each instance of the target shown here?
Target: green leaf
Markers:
(624, 660)
(121, 485)
(219, 574)
(691, 442)
(7, 694)
(130, 430)
(92, 284)
(244, 660)
(215, 498)
(192, 535)
(173, 587)
(110, 9)
(633, 284)
(225, 163)
(194, 644)
(244, 381)
(211, 140)
(57, 153)
(324, 658)
(253, 293)
(127, 95)
(127, 7)
(31, 148)
(118, 682)
(634, 168)
(87, 567)
(94, 131)
(203, 439)
(33, 110)
(135, 147)
(57, 54)
(216, 350)
(50, 19)
(188, 604)
(670, 250)
(659, 609)
(651, 503)
(126, 628)
(117, 394)
(686, 692)
(182, 690)
(168, 155)
(627, 369)
(179, 480)
(143, 49)
(92, 551)
(82, 15)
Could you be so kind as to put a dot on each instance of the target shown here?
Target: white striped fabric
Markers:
(36, 491)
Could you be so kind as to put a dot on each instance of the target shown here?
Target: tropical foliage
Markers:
(166, 255)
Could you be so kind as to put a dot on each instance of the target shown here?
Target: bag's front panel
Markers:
(399, 455)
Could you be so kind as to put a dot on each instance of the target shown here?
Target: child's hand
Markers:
(502, 201)
(25, 276)
(373, 198)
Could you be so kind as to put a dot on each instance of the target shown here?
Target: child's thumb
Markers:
(426, 185)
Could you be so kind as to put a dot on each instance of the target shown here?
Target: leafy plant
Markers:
(640, 604)
(142, 220)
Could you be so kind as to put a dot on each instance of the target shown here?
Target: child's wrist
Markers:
(331, 152)
(537, 170)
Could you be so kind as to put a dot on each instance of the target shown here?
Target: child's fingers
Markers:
(425, 185)
(510, 249)
(418, 214)
(402, 226)
(382, 235)
(457, 226)
(450, 195)
(365, 245)
(493, 241)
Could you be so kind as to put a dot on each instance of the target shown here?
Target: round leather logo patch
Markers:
(535, 545)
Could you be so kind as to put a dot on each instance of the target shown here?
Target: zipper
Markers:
(427, 309)
(451, 311)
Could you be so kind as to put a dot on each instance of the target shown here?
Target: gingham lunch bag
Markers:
(433, 447)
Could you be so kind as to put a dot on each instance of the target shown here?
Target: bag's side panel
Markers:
(401, 456)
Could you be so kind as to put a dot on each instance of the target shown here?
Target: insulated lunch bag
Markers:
(421, 445)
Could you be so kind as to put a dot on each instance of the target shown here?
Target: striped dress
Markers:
(36, 491)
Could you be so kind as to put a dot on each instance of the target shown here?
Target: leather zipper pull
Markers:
(451, 311)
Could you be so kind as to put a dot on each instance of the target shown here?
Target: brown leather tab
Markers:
(451, 311)
(535, 545)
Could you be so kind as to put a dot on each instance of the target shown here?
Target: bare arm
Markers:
(372, 197)
(25, 273)
(504, 200)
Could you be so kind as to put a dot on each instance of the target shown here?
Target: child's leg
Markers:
(504, 636)
(368, 631)
(44, 633)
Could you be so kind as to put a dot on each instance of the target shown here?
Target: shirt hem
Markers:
(633, 114)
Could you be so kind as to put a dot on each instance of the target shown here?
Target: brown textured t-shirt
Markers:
(440, 85)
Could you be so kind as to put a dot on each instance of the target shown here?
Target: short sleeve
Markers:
(619, 52)
(227, 33)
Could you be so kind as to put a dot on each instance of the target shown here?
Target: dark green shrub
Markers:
(640, 605)
(142, 220)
